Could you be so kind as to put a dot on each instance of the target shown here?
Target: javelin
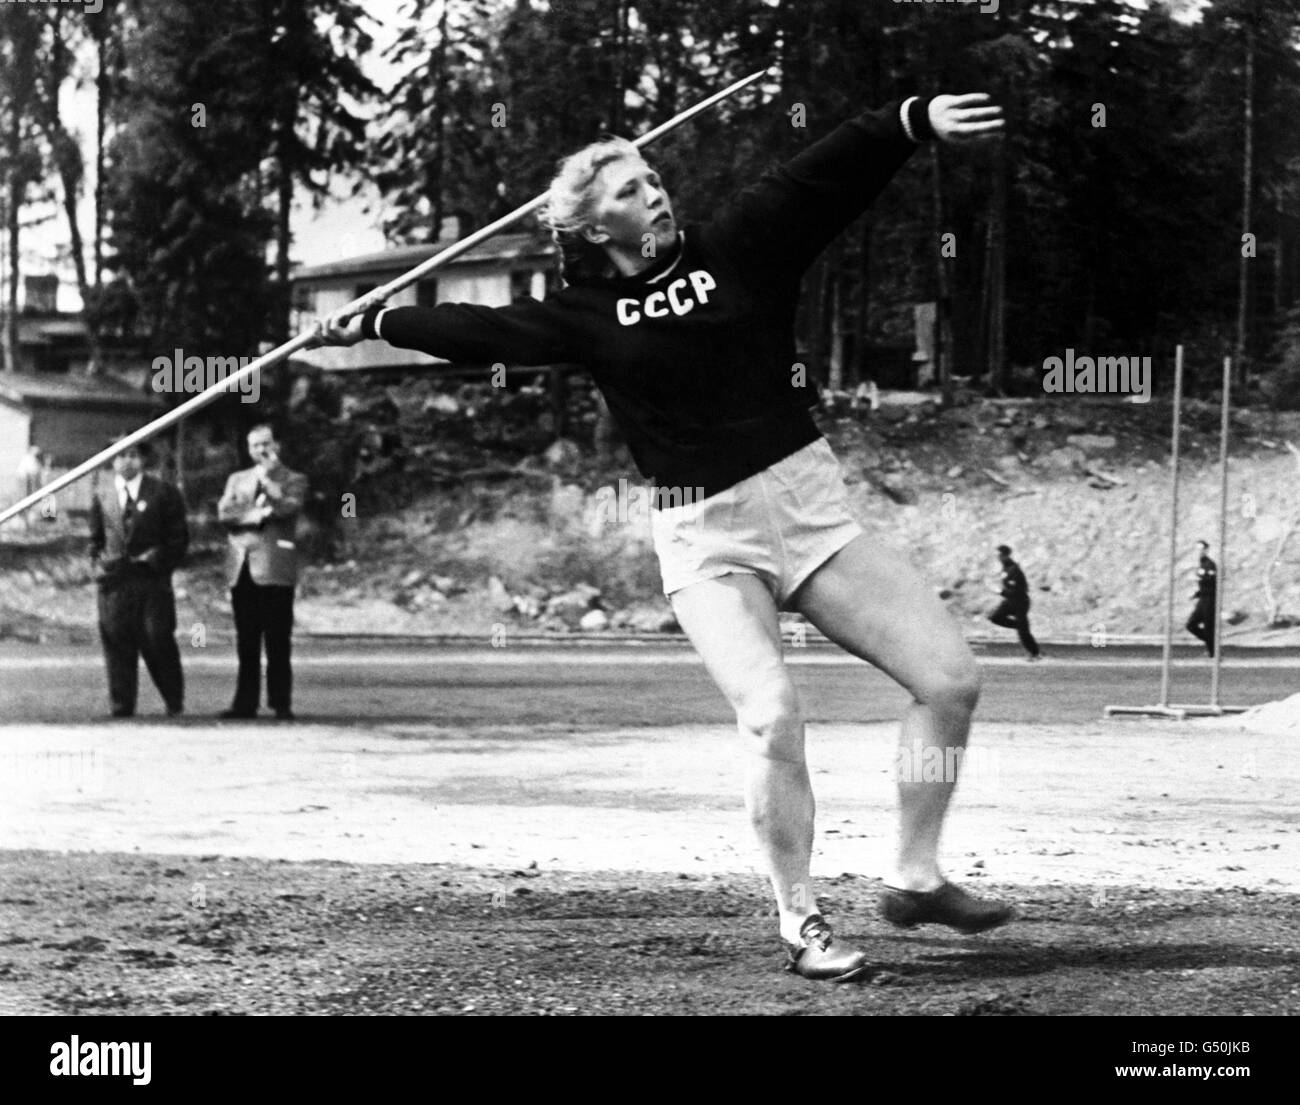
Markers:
(356, 307)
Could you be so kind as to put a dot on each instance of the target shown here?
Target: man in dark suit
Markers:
(260, 509)
(138, 535)
(1201, 623)
(1013, 611)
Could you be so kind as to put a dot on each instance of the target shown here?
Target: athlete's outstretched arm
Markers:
(791, 214)
(525, 333)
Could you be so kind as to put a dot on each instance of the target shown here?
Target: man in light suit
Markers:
(138, 535)
(260, 509)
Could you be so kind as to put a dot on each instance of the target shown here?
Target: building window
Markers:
(521, 284)
(363, 289)
(426, 293)
(304, 298)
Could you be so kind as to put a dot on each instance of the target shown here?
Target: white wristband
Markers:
(902, 117)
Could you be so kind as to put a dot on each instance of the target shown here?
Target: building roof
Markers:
(399, 259)
(44, 329)
(98, 392)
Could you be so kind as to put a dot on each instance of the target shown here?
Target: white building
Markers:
(495, 274)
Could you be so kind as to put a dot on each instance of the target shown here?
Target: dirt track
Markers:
(122, 934)
(1155, 868)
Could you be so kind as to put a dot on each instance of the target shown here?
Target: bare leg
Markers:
(732, 622)
(873, 603)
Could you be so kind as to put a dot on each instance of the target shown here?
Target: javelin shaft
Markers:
(356, 307)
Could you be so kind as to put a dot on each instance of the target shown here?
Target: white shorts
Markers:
(780, 525)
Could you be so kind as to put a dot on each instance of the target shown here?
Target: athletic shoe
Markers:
(948, 905)
(817, 956)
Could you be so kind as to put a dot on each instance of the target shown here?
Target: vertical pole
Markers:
(1173, 529)
(1222, 581)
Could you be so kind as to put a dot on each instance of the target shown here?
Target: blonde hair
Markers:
(571, 198)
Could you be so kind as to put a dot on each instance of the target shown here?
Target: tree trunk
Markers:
(433, 179)
(6, 364)
(102, 94)
(15, 189)
(71, 170)
(96, 355)
(559, 400)
(287, 117)
(620, 68)
(835, 360)
(998, 274)
(1279, 257)
(862, 321)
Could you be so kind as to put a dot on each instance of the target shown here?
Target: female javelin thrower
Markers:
(689, 333)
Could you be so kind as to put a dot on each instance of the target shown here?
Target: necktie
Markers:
(128, 511)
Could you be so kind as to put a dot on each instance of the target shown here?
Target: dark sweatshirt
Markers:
(1015, 589)
(695, 355)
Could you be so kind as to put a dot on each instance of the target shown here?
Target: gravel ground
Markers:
(135, 934)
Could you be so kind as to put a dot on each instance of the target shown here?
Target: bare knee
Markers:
(771, 716)
(953, 688)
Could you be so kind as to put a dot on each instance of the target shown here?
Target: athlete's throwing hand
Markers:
(967, 118)
(339, 329)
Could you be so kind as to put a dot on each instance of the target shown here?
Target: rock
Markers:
(955, 471)
(594, 621)
(498, 597)
(571, 606)
(652, 621)
(1065, 459)
(527, 606)
(568, 501)
(441, 404)
(1091, 441)
(562, 453)
(412, 578)
(899, 491)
